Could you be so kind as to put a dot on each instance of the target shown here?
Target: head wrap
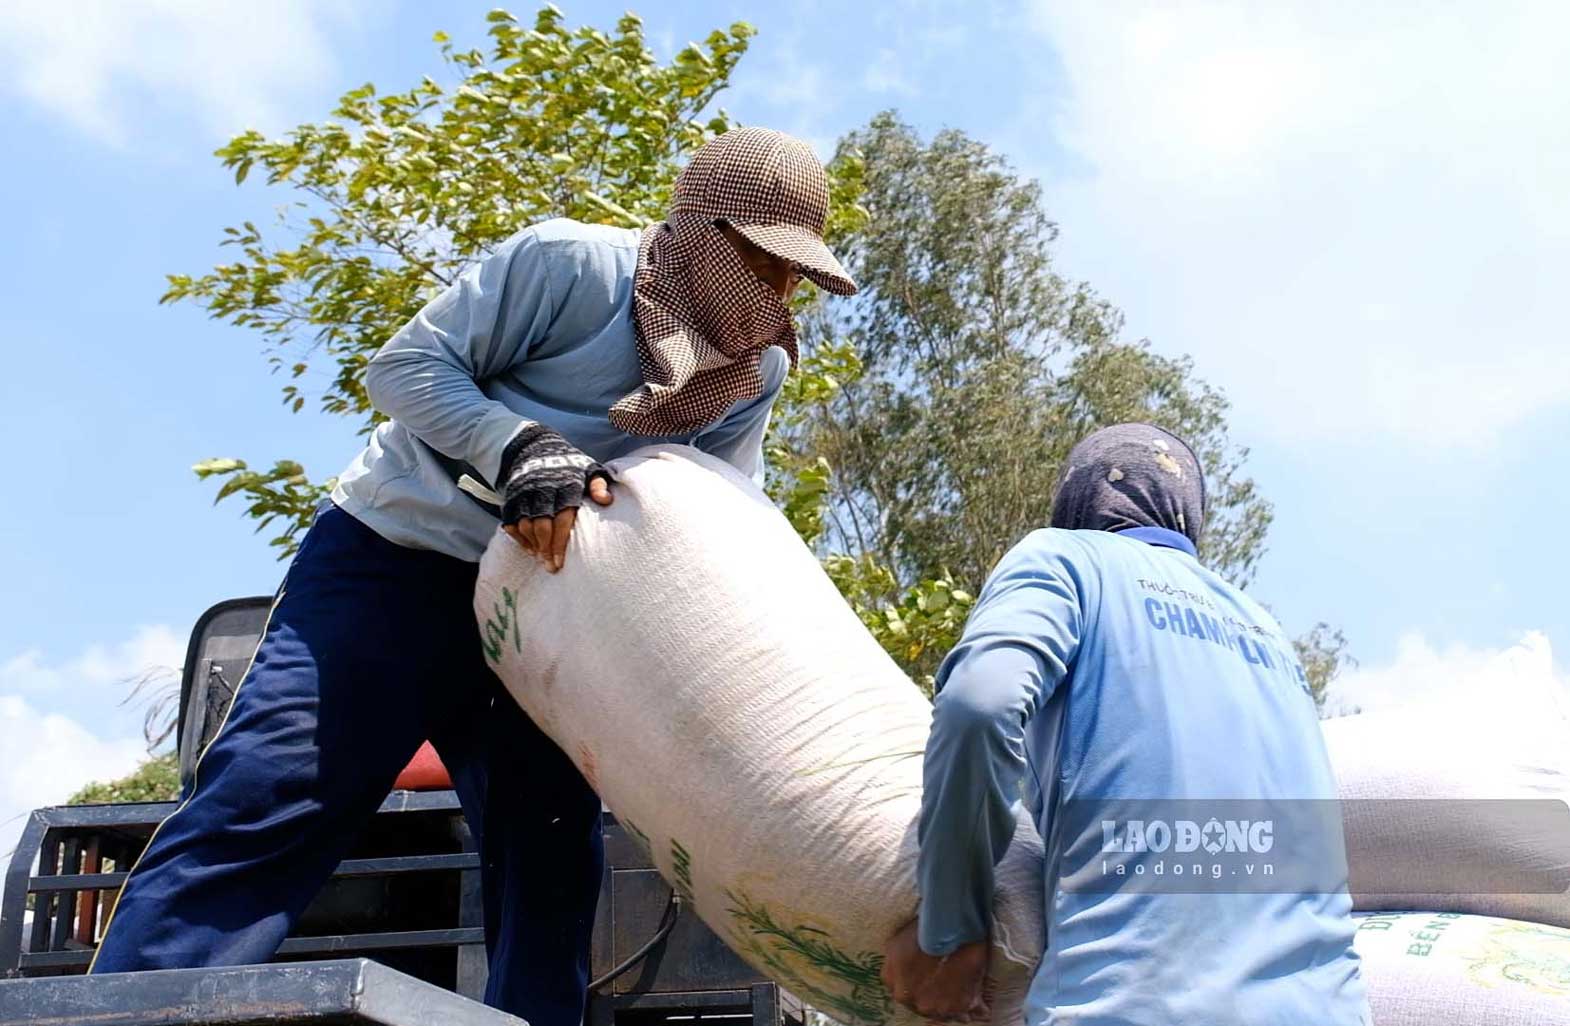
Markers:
(703, 318)
(1131, 475)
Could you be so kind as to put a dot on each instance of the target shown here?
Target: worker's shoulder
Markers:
(1061, 543)
(1120, 547)
(564, 238)
(1101, 556)
(588, 267)
(1050, 547)
(572, 249)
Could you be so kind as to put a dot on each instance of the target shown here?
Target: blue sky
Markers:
(1357, 223)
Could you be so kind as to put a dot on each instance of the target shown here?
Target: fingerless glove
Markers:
(543, 474)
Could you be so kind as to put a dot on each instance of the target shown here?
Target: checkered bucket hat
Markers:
(703, 319)
(772, 189)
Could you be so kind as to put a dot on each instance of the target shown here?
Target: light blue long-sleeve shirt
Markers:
(1103, 673)
(540, 330)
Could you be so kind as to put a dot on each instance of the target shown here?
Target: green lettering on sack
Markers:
(500, 624)
(512, 606)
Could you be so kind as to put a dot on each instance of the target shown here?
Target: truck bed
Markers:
(350, 992)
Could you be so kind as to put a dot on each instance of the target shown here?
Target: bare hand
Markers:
(948, 988)
(547, 537)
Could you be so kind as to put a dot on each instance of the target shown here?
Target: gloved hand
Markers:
(543, 480)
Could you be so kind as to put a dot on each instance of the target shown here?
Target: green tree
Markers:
(397, 193)
(980, 366)
(157, 779)
(1323, 654)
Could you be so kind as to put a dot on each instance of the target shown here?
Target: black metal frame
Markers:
(57, 838)
(764, 1003)
(661, 985)
(690, 973)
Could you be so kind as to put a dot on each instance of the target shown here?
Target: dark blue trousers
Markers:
(370, 649)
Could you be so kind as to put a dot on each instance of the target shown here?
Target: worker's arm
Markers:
(427, 378)
(1016, 649)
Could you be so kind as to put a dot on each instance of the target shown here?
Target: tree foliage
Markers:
(1323, 655)
(157, 779)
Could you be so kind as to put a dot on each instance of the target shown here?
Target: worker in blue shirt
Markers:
(1161, 732)
(568, 346)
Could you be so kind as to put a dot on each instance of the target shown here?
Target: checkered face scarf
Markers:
(703, 318)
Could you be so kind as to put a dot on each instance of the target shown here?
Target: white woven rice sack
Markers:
(708, 679)
(1411, 844)
(1447, 969)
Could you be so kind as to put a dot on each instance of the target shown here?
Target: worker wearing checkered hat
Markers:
(568, 346)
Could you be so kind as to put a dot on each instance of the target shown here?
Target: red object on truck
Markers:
(425, 772)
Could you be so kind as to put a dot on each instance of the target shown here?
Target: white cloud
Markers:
(154, 648)
(103, 65)
(1516, 683)
(1356, 217)
(47, 758)
(65, 723)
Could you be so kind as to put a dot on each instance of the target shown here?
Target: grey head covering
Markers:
(1131, 475)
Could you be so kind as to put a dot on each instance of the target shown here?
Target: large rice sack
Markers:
(709, 681)
(1462, 806)
(1448, 969)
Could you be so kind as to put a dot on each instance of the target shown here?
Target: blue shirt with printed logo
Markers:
(1113, 673)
